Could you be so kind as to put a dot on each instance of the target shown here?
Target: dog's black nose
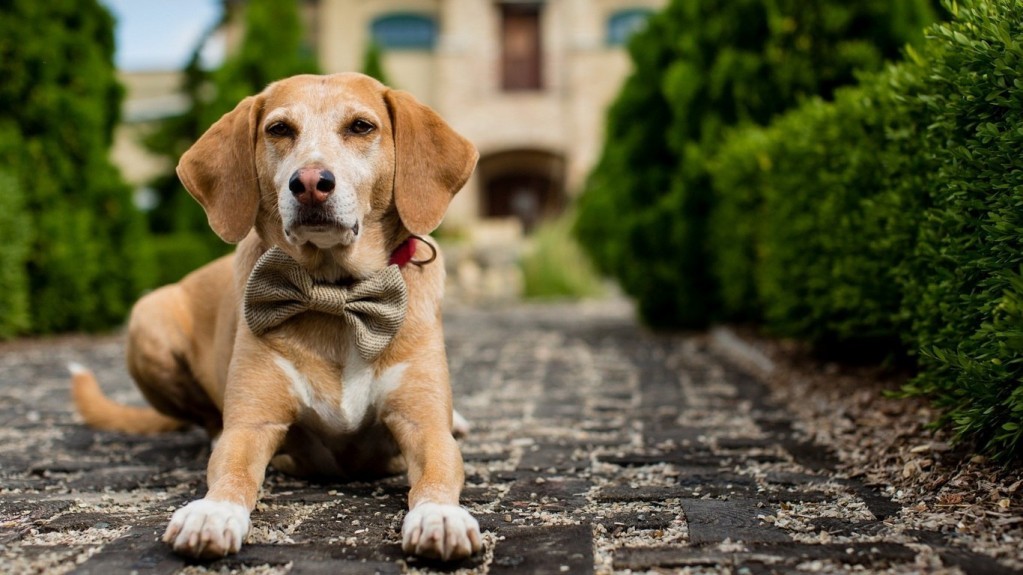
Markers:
(311, 185)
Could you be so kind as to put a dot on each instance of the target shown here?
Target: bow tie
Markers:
(279, 289)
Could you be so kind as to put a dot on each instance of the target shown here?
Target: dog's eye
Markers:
(280, 129)
(361, 127)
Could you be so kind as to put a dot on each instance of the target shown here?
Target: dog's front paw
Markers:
(440, 532)
(206, 529)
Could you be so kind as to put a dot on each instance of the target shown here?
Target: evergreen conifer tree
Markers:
(59, 103)
(273, 47)
(373, 62)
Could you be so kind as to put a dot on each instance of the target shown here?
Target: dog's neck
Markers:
(342, 266)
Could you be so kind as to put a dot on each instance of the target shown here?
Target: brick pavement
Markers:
(596, 447)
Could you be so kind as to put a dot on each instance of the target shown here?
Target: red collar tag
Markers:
(403, 255)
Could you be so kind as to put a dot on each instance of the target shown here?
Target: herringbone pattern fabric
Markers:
(279, 289)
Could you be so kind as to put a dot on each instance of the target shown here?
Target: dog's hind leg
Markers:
(160, 356)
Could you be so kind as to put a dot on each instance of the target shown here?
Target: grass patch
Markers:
(554, 265)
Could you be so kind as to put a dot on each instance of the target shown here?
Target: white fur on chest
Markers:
(342, 406)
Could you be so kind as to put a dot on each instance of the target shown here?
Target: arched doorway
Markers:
(525, 184)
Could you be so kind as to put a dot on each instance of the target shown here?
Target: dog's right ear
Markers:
(219, 170)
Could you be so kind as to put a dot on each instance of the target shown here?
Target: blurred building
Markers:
(528, 81)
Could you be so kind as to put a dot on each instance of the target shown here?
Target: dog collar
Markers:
(402, 256)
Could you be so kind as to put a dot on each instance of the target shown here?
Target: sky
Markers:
(161, 34)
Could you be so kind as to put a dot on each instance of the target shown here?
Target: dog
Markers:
(335, 179)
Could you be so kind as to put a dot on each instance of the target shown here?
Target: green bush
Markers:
(893, 216)
(701, 67)
(15, 236)
(966, 286)
(815, 217)
(181, 253)
(59, 102)
(556, 267)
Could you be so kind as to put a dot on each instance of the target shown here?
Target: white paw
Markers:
(206, 529)
(440, 531)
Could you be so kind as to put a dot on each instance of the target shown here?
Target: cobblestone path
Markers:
(596, 447)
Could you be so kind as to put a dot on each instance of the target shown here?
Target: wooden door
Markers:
(521, 47)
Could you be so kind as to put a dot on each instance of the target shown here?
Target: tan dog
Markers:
(337, 172)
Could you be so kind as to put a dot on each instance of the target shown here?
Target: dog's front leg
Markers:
(435, 526)
(256, 421)
(216, 525)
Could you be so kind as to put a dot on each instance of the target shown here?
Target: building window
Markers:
(520, 47)
(405, 32)
(624, 23)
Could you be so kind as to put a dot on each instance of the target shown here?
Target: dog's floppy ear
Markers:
(431, 162)
(219, 170)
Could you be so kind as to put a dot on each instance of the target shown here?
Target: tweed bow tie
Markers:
(279, 289)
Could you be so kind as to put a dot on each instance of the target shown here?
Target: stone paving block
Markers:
(158, 559)
(788, 479)
(627, 520)
(116, 478)
(639, 493)
(550, 494)
(482, 457)
(678, 456)
(314, 559)
(67, 466)
(873, 554)
(646, 558)
(33, 506)
(974, 563)
(969, 562)
(881, 506)
(843, 528)
(566, 457)
(804, 452)
(774, 555)
(549, 550)
(711, 477)
(714, 520)
(82, 521)
(481, 495)
(794, 496)
(679, 436)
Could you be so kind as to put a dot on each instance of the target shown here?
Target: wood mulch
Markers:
(890, 441)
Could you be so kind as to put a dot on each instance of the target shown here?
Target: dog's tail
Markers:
(101, 412)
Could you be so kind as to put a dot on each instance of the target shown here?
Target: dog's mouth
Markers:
(322, 231)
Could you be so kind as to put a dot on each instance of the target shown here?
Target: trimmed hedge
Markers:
(811, 232)
(15, 237)
(964, 299)
(894, 217)
(701, 66)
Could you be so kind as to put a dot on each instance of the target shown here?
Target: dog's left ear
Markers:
(431, 162)
(219, 170)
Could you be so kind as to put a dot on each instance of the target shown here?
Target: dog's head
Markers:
(337, 166)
